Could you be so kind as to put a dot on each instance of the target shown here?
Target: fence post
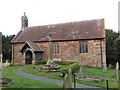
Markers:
(74, 81)
(107, 85)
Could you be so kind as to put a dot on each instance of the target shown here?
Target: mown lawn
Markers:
(22, 82)
(37, 71)
(91, 71)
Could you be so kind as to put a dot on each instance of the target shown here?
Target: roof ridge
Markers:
(63, 23)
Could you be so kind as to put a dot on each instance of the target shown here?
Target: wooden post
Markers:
(74, 82)
(107, 85)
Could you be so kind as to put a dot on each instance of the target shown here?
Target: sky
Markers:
(45, 12)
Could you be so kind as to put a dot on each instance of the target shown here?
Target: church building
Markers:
(73, 41)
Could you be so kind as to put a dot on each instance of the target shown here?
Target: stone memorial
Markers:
(117, 71)
(1, 66)
(1, 69)
(67, 83)
(50, 66)
(81, 68)
(7, 64)
(81, 76)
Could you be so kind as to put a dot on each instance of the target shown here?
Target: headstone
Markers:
(117, 71)
(67, 83)
(1, 70)
(1, 57)
(104, 68)
(70, 75)
(81, 68)
(1, 66)
(7, 63)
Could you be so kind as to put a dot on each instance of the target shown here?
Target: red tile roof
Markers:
(90, 29)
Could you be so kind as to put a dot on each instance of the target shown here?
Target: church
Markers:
(72, 41)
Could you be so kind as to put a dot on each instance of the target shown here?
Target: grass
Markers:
(22, 82)
(92, 71)
(54, 75)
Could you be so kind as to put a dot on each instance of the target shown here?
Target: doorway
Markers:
(28, 57)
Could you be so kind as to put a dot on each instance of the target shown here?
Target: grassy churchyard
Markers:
(91, 71)
(22, 82)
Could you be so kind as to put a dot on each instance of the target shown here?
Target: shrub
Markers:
(64, 62)
(39, 62)
(74, 67)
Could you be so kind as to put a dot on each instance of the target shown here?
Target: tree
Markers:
(111, 47)
(7, 47)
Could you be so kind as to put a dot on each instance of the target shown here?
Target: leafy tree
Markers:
(7, 47)
(111, 47)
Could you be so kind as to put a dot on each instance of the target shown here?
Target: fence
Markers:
(106, 79)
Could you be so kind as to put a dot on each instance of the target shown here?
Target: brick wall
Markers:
(17, 55)
(69, 51)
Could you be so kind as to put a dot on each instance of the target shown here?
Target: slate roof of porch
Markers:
(33, 46)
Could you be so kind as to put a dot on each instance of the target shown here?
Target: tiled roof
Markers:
(33, 46)
(90, 29)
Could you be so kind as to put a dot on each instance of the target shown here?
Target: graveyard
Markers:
(22, 82)
(91, 71)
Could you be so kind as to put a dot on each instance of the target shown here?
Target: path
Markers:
(45, 79)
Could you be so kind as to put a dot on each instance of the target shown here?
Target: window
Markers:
(83, 48)
(55, 48)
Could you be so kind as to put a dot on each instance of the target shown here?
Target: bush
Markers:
(64, 62)
(74, 67)
(39, 62)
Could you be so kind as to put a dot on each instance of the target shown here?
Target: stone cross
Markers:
(67, 83)
(117, 71)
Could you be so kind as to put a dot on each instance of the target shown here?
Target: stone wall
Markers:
(17, 55)
(69, 51)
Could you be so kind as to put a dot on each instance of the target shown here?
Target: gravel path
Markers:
(50, 80)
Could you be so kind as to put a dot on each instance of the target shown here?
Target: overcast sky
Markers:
(44, 12)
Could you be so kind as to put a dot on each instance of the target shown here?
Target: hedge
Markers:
(39, 62)
(74, 67)
(64, 62)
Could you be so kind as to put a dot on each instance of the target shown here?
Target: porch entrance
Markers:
(31, 52)
(28, 57)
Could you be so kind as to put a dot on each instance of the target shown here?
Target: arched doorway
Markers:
(28, 57)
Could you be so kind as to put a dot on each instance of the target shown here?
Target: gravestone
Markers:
(7, 64)
(1, 69)
(67, 83)
(1, 66)
(81, 68)
(117, 71)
